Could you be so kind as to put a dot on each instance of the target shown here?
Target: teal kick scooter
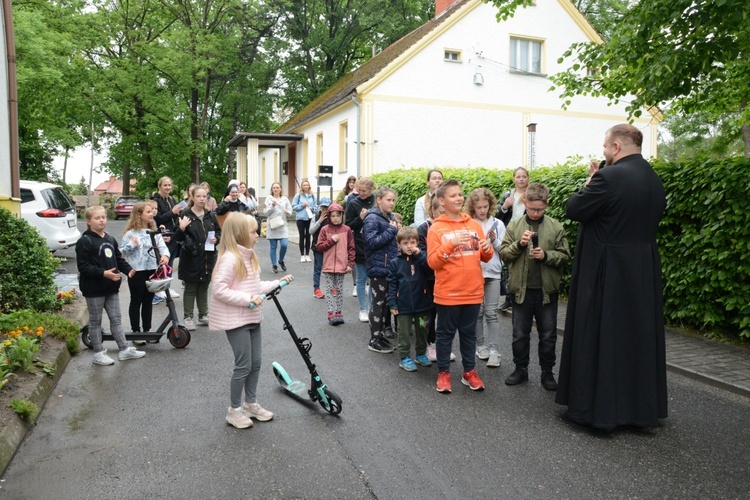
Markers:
(318, 390)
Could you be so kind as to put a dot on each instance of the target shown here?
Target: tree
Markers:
(687, 55)
(326, 39)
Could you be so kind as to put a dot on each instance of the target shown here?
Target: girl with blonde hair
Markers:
(235, 284)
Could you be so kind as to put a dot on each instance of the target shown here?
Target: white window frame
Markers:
(452, 55)
(523, 56)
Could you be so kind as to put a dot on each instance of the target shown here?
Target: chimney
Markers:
(441, 6)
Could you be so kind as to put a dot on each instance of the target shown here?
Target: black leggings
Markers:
(303, 227)
(140, 301)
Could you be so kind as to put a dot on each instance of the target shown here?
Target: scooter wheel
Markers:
(179, 337)
(85, 336)
(333, 405)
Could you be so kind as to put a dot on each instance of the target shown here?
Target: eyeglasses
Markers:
(536, 210)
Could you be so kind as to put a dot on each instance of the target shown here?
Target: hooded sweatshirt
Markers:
(337, 255)
(458, 270)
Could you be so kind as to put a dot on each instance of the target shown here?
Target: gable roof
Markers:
(346, 87)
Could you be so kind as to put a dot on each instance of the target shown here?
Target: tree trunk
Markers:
(746, 139)
(195, 161)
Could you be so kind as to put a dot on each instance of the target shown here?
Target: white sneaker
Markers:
(354, 291)
(188, 322)
(237, 419)
(101, 358)
(302, 259)
(494, 359)
(130, 353)
(431, 352)
(483, 352)
(173, 294)
(364, 317)
(202, 321)
(453, 357)
(256, 411)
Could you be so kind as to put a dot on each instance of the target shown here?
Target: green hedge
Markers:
(704, 238)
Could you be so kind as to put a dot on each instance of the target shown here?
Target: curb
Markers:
(13, 432)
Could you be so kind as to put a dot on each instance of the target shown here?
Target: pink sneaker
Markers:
(256, 411)
(237, 419)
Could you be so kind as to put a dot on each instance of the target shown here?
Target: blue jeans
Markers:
(546, 326)
(461, 318)
(361, 281)
(317, 266)
(282, 252)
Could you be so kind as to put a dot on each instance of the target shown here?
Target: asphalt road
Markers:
(154, 428)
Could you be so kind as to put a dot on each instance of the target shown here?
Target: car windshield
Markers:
(56, 198)
(128, 200)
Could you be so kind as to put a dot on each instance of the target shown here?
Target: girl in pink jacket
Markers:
(336, 242)
(234, 285)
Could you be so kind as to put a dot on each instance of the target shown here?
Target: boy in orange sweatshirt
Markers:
(456, 245)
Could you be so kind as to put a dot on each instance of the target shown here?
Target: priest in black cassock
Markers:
(613, 363)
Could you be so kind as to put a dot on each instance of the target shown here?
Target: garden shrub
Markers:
(26, 267)
(704, 238)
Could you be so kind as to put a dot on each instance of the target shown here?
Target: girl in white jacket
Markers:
(234, 285)
(480, 204)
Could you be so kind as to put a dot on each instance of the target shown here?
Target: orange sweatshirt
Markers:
(458, 272)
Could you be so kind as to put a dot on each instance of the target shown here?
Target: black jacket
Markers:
(94, 255)
(408, 288)
(352, 219)
(380, 242)
(196, 264)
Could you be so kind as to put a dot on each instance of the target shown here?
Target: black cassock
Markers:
(613, 363)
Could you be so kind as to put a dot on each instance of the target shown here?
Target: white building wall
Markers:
(430, 113)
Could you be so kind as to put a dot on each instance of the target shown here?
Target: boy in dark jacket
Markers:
(410, 298)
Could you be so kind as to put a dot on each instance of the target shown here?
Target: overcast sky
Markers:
(79, 165)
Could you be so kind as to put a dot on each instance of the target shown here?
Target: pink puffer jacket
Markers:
(230, 296)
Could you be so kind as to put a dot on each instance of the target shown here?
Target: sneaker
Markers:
(283, 267)
(173, 293)
(339, 318)
(519, 375)
(548, 381)
(237, 419)
(256, 411)
(453, 356)
(319, 294)
(364, 317)
(472, 380)
(408, 364)
(423, 360)
(431, 353)
(101, 358)
(505, 307)
(330, 318)
(379, 344)
(188, 322)
(275, 270)
(202, 321)
(483, 352)
(494, 359)
(302, 259)
(130, 353)
(444, 382)
(157, 300)
(139, 342)
(388, 333)
(354, 291)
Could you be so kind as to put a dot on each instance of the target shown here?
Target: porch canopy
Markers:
(248, 146)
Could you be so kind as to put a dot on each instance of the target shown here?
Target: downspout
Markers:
(10, 44)
(354, 100)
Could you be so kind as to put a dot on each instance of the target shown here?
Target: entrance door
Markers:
(292, 179)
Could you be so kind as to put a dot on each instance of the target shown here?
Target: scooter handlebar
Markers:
(281, 285)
